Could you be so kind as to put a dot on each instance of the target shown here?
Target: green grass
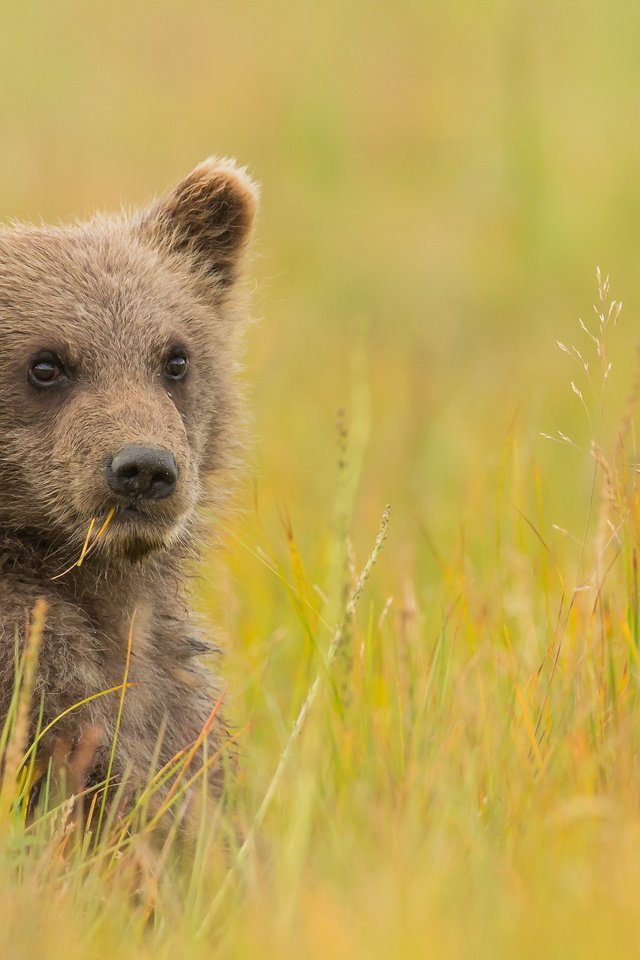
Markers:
(455, 776)
(439, 181)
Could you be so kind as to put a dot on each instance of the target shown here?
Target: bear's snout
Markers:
(142, 473)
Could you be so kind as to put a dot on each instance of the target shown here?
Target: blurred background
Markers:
(440, 180)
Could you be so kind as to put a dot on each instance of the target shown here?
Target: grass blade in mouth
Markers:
(89, 545)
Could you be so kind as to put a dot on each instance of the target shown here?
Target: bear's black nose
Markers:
(143, 473)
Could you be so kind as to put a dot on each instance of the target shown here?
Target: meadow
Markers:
(443, 379)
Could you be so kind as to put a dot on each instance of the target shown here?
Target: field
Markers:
(449, 189)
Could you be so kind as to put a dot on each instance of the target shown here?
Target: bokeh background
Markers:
(440, 180)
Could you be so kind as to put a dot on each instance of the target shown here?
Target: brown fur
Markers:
(111, 297)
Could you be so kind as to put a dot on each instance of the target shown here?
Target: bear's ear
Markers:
(209, 215)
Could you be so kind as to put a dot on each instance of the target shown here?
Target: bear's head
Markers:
(117, 366)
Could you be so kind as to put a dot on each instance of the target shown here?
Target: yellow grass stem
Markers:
(87, 548)
(296, 730)
(74, 706)
(530, 729)
(13, 757)
(85, 545)
(116, 730)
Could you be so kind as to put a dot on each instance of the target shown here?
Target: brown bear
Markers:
(119, 402)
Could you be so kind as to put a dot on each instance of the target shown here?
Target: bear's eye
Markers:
(176, 366)
(45, 369)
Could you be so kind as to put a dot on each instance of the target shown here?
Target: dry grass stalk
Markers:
(334, 647)
(17, 744)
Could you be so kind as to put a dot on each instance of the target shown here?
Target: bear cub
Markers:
(119, 410)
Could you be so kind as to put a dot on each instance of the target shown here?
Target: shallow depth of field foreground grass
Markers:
(467, 777)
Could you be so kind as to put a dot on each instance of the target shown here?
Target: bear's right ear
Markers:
(209, 215)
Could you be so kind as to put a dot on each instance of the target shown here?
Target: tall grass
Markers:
(457, 777)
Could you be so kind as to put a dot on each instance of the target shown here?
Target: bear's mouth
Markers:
(132, 512)
(138, 532)
(129, 530)
(137, 512)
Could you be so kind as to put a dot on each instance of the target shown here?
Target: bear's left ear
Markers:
(209, 215)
